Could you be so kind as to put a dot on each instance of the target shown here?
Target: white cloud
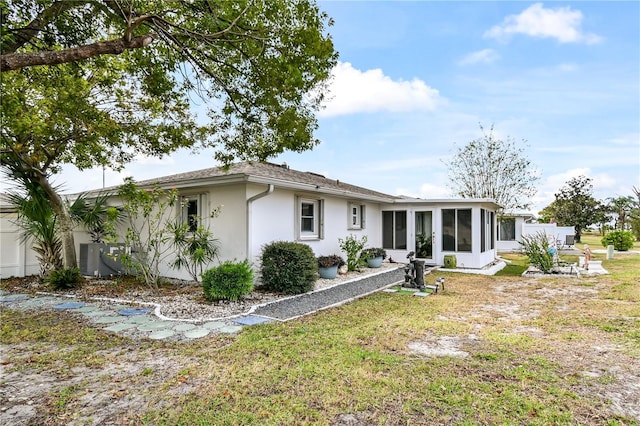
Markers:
(484, 56)
(426, 191)
(354, 91)
(561, 23)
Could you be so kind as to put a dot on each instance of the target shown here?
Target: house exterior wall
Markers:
(513, 245)
(274, 218)
(18, 259)
(552, 230)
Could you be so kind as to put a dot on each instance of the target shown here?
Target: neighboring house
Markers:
(263, 202)
(512, 226)
(17, 257)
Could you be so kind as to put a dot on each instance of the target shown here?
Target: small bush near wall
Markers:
(229, 281)
(620, 240)
(288, 267)
(64, 279)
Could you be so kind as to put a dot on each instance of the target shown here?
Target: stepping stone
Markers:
(135, 311)
(116, 328)
(13, 297)
(34, 303)
(184, 327)
(161, 334)
(421, 294)
(230, 329)
(70, 305)
(86, 309)
(251, 320)
(140, 320)
(155, 325)
(107, 320)
(97, 313)
(390, 290)
(196, 333)
(213, 325)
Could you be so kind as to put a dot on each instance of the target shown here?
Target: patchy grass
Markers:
(538, 351)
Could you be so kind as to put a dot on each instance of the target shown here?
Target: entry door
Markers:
(424, 235)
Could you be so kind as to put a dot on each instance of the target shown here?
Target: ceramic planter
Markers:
(374, 262)
(329, 272)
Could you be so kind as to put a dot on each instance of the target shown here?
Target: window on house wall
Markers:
(394, 230)
(486, 231)
(309, 219)
(507, 229)
(456, 230)
(356, 216)
(191, 211)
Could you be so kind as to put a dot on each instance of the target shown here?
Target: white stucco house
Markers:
(512, 226)
(17, 259)
(263, 202)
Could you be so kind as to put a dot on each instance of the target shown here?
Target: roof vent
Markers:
(284, 166)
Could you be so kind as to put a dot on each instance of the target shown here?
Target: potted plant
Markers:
(374, 256)
(328, 265)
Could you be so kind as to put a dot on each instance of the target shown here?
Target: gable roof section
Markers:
(268, 173)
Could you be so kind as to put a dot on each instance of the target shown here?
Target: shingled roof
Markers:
(263, 172)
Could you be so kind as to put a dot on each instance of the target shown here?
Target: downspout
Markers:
(250, 201)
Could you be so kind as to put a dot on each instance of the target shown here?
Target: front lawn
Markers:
(487, 350)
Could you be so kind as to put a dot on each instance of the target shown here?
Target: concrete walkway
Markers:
(130, 320)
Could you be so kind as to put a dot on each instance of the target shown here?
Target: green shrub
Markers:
(288, 267)
(536, 247)
(620, 240)
(352, 246)
(64, 279)
(228, 281)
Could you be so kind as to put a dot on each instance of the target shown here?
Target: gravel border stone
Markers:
(304, 304)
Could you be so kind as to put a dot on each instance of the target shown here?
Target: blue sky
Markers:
(415, 80)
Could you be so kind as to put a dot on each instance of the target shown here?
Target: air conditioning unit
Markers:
(98, 259)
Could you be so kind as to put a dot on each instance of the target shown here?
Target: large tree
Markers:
(489, 167)
(621, 207)
(574, 205)
(97, 82)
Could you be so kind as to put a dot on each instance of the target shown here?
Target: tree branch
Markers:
(24, 35)
(14, 61)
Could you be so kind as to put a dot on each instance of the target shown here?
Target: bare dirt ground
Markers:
(32, 395)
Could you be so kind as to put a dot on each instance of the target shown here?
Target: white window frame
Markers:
(356, 216)
(317, 219)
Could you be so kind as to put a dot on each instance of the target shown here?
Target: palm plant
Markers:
(38, 223)
(95, 215)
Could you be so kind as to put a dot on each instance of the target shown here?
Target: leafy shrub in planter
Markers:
(331, 260)
(64, 279)
(228, 281)
(620, 240)
(370, 253)
(288, 267)
(352, 246)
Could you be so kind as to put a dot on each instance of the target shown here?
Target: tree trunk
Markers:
(64, 222)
